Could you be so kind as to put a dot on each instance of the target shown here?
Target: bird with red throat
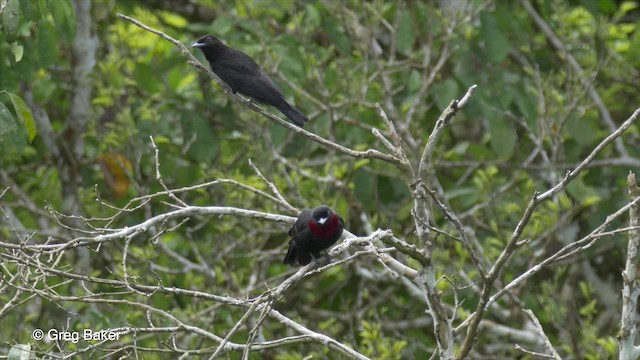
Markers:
(314, 231)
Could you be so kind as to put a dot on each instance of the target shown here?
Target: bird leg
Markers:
(321, 260)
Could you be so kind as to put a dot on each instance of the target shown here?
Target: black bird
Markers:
(243, 75)
(314, 231)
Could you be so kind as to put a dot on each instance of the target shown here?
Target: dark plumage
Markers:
(314, 231)
(243, 75)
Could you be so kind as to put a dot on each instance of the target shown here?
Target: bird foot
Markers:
(321, 260)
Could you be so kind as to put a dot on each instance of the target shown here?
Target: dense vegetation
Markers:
(137, 197)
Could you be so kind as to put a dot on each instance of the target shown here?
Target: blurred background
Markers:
(97, 87)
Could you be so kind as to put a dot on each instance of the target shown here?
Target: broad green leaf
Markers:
(63, 16)
(336, 35)
(312, 16)
(7, 124)
(405, 34)
(503, 137)
(585, 194)
(584, 130)
(445, 92)
(360, 163)
(207, 144)
(46, 50)
(495, 41)
(364, 188)
(414, 82)
(17, 50)
(222, 25)
(11, 19)
(31, 10)
(599, 6)
(628, 6)
(174, 20)
(25, 115)
(527, 104)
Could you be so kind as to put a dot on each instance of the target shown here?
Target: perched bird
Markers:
(243, 75)
(314, 231)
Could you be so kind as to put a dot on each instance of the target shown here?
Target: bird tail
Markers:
(292, 113)
(292, 255)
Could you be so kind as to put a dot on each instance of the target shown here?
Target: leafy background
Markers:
(530, 120)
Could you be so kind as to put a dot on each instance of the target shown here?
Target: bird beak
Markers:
(197, 45)
(321, 221)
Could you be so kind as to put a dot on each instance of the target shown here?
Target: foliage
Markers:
(66, 174)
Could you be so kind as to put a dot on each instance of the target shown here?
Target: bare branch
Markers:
(540, 331)
(630, 286)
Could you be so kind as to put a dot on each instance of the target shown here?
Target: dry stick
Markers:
(409, 249)
(145, 198)
(532, 353)
(449, 215)
(630, 288)
(273, 189)
(159, 177)
(329, 342)
(369, 154)
(540, 331)
(254, 331)
(441, 123)
(233, 330)
(147, 224)
(182, 212)
(442, 323)
(515, 237)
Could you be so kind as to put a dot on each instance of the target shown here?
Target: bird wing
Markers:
(300, 225)
(243, 75)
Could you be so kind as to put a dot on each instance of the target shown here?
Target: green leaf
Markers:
(584, 130)
(405, 35)
(445, 92)
(25, 115)
(19, 352)
(174, 20)
(206, 145)
(11, 19)
(312, 16)
(45, 44)
(7, 123)
(585, 194)
(495, 42)
(503, 137)
(17, 50)
(628, 6)
(31, 10)
(364, 183)
(63, 16)
(336, 34)
(222, 25)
